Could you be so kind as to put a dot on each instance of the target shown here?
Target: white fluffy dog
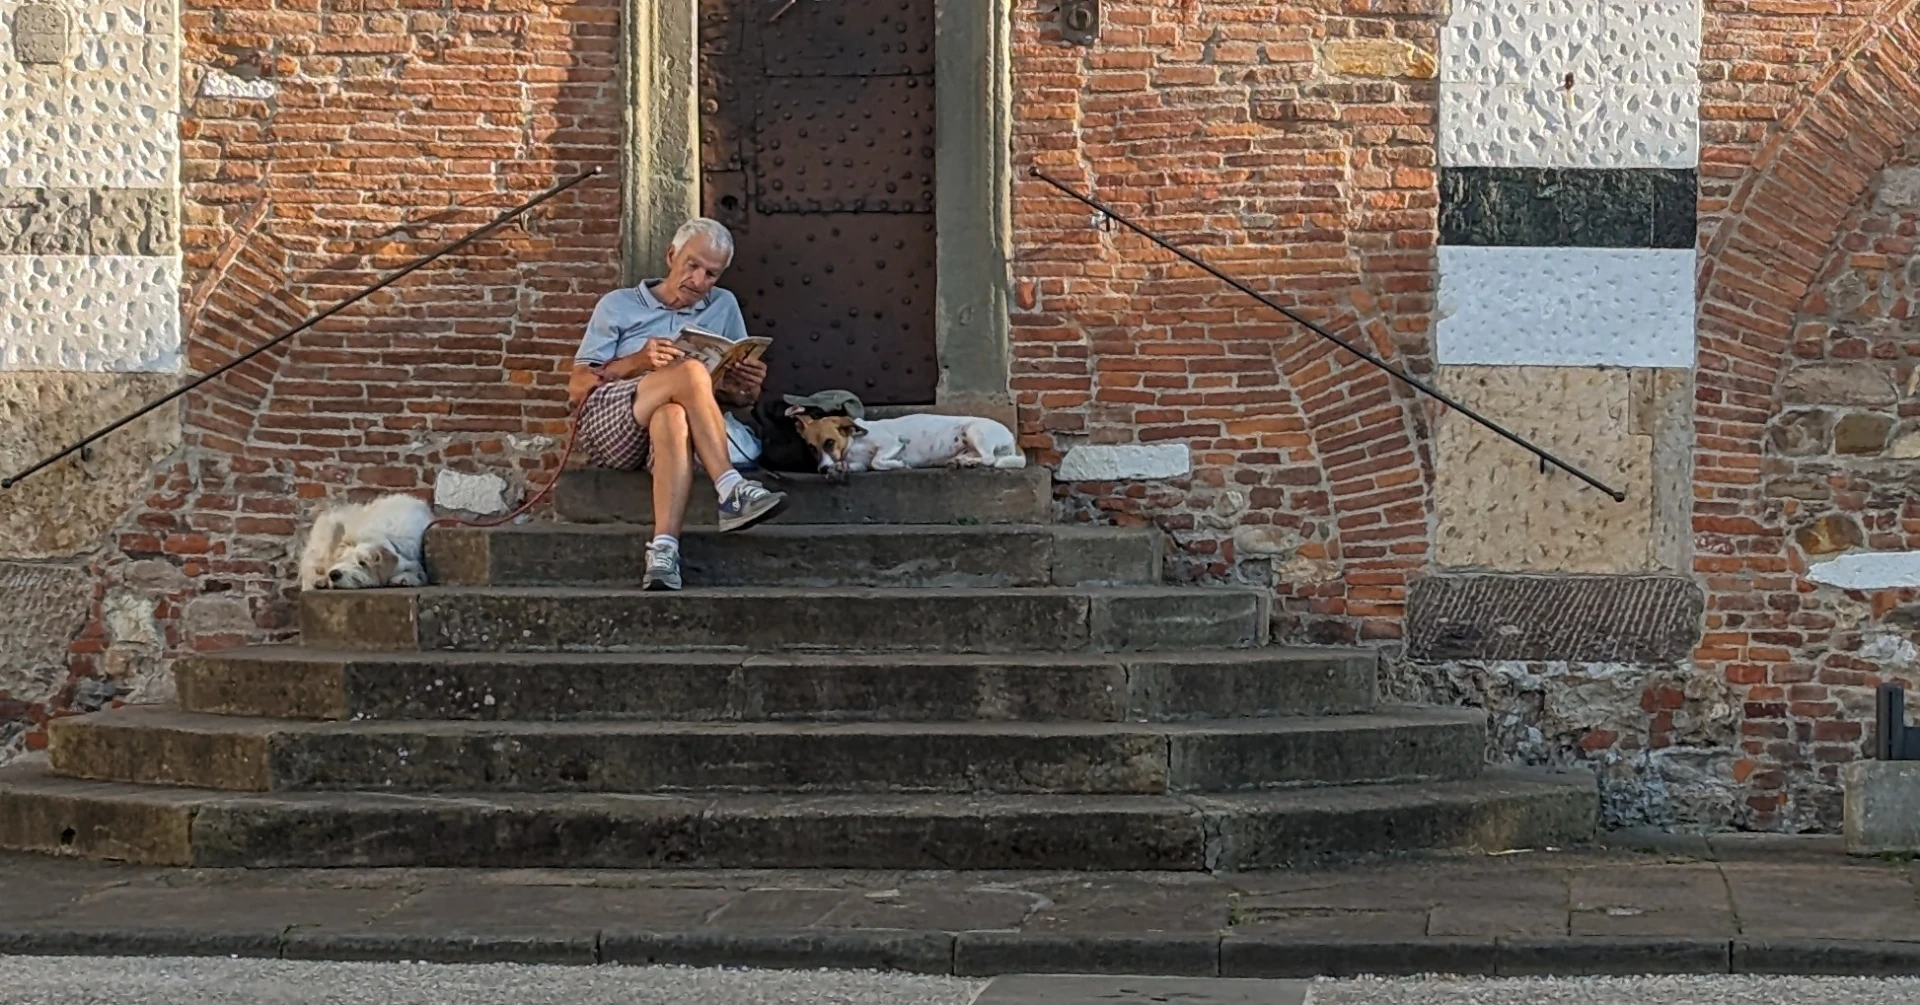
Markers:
(910, 441)
(370, 544)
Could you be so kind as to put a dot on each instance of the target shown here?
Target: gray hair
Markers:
(716, 234)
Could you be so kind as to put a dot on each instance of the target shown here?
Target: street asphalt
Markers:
(217, 981)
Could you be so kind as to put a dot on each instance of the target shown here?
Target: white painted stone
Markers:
(108, 117)
(1870, 570)
(1571, 83)
(1652, 43)
(220, 84)
(1124, 462)
(1613, 126)
(129, 618)
(1627, 307)
(471, 493)
(102, 314)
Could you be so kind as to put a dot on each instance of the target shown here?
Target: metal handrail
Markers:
(499, 221)
(1545, 457)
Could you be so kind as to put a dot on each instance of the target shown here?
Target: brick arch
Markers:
(1759, 269)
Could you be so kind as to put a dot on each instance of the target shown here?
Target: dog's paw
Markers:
(409, 577)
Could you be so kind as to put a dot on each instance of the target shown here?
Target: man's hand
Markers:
(580, 385)
(659, 353)
(742, 381)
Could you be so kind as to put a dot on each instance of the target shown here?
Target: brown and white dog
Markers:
(910, 441)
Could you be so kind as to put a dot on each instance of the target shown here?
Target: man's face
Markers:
(692, 271)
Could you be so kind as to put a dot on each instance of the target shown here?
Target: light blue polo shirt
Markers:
(625, 319)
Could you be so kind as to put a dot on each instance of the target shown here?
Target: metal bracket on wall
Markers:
(1893, 739)
(1080, 21)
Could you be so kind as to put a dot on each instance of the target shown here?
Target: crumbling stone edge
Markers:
(989, 954)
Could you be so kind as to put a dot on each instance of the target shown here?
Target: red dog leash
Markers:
(573, 435)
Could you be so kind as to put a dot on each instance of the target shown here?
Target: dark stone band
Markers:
(1568, 207)
(82, 221)
(1589, 619)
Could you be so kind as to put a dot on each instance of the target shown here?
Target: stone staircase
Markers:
(842, 688)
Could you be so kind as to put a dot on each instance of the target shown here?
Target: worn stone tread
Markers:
(959, 619)
(825, 555)
(1505, 808)
(155, 745)
(303, 683)
(924, 497)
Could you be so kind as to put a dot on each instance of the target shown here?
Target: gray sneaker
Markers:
(663, 570)
(749, 504)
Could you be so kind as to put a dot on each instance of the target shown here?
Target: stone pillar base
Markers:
(1882, 807)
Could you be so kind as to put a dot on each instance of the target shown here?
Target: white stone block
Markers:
(1871, 570)
(470, 493)
(1639, 43)
(1629, 307)
(1571, 83)
(220, 84)
(1124, 462)
(100, 314)
(1613, 126)
(106, 118)
(1881, 807)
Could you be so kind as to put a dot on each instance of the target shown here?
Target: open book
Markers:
(716, 351)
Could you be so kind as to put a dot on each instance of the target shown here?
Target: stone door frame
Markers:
(660, 162)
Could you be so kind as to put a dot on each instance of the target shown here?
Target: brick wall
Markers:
(1805, 379)
(324, 143)
(1294, 147)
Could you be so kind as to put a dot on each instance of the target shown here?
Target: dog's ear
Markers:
(796, 411)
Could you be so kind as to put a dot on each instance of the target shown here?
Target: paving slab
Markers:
(1814, 911)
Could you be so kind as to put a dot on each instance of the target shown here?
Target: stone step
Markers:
(548, 619)
(297, 683)
(157, 746)
(549, 554)
(1502, 809)
(593, 495)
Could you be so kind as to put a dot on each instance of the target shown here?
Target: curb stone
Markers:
(1604, 956)
(993, 954)
(990, 954)
(1295, 958)
(370, 947)
(873, 949)
(1823, 958)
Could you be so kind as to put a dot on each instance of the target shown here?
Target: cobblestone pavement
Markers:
(1732, 904)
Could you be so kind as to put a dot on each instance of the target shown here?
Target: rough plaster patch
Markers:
(1877, 570)
(43, 607)
(1516, 125)
(68, 508)
(1124, 462)
(221, 84)
(107, 115)
(472, 493)
(105, 313)
(80, 221)
(1541, 712)
(1567, 306)
(1651, 43)
(1496, 510)
(1899, 188)
(41, 32)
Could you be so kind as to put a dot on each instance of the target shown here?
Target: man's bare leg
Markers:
(672, 468)
(688, 386)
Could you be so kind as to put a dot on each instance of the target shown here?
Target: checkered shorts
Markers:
(608, 430)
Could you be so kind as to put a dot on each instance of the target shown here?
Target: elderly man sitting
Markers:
(642, 405)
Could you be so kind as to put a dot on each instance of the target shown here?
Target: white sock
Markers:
(666, 541)
(727, 484)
